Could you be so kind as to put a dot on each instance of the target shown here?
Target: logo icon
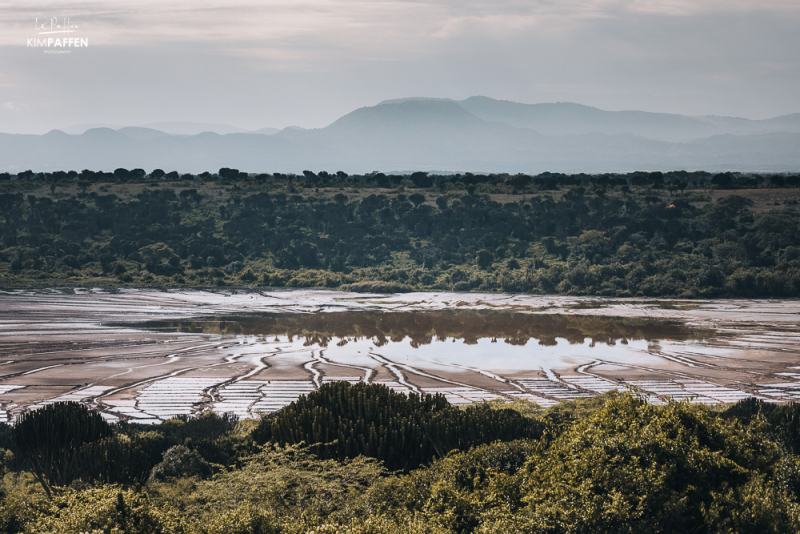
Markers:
(53, 35)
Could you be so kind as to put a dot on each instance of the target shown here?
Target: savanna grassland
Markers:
(680, 234)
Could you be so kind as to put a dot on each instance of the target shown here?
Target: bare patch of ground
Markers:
(146, 355)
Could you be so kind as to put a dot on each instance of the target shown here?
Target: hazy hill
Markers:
(193, 128)
(421, 133)
(477, 134)
(568, 118)
(174, 128)
(135, 132)
(402, 118)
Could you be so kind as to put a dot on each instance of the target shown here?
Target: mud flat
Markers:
(146, 355)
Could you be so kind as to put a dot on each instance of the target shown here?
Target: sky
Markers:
(279, 63)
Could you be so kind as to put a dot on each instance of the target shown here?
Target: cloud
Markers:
(14, 106)
(293, 31)
(260, 63)
(342, 22)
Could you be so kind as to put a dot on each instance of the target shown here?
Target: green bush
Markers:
(459, 492)
(8, 461)
(180, 461)
(633, 467)
(116, 460)
(746, 409)
(51, 439)
(208, 425)
(7, 441)
(341, 420)
(247, 519)
(262, 433)
(460, 429)
(210, 435)
(107, 510)
(21, 499)
(367, 525)
(785, 423)
(782, 421)
(291, 482)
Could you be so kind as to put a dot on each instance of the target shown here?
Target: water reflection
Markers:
(423, 328)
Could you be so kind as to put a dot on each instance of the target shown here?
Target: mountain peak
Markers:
(137, 132)
(99, 132)
(415, 99)
(405, 115)
(193, 128)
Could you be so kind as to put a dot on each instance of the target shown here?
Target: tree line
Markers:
(593, 237)
(673, 180)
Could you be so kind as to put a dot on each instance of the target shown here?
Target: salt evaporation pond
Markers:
(146, 355)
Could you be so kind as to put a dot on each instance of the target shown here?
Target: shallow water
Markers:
(149, 355)
(424, 327)
(498, 340)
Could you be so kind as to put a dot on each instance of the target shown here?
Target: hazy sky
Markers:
(255, 64)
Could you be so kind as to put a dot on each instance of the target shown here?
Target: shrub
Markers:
(108, 509)
(247, 519)
(749, 408)
(180, 461)
(208, 425)
(782, 421)
(458, 489)
(51, 440)
(262, 433)
(340, 420)
(290, 482)
(457, 429)
(116, 460)
(785, 422)
(21, 499)
(633, 467)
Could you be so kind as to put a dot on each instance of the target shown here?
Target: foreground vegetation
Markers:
(675, 234)
(604, 465)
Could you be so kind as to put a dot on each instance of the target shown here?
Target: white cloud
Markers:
(308, 61)
(14, 106)
(313, 27)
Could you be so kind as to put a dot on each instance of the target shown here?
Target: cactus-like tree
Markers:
(477, 425)
(116, 460)
(342, 421)
(51, 438)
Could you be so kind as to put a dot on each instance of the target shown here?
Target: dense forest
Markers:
(684, 234)
(365, 460)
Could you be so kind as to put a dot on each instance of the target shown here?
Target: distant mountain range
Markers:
(478, 134)
(175, 128)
